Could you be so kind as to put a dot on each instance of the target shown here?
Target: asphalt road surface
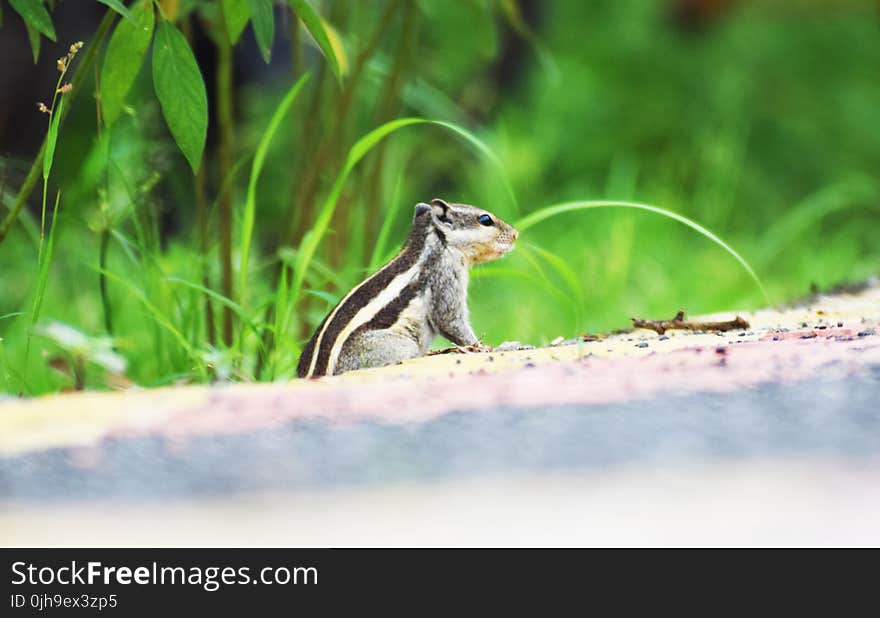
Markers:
(768, 435)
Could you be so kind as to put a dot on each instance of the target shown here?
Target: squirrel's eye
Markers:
(485, 220)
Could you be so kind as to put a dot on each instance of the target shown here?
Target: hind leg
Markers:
(376, 348)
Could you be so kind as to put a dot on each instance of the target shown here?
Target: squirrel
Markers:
(397, 312)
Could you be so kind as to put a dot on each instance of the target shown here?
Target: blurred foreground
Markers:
(770, 435)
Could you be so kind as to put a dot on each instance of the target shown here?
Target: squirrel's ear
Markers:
(421, 209)
(439, 207)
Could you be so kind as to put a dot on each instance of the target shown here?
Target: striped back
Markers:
(386, 291)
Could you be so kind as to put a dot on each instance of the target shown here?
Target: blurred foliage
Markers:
(760, 121)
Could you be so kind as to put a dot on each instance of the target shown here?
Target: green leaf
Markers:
(236, 14)
(324, 35)
(181, 91)
(263, 22)
(123, 59)
(34, 38)
(117, 6)
(247, 226)
(35, 15)
(52, 137)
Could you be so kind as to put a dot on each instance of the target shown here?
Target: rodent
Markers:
(396, 313)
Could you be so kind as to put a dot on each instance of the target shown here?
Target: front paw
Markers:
(463, 349)
(475, 347)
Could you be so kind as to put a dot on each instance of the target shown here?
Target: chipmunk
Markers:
(395, 314)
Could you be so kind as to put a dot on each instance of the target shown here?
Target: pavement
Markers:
(768, 435)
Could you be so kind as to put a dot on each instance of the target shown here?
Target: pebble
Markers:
(510, 346)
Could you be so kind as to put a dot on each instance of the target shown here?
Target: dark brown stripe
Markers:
(390, 312)
(305, 359)
(371, 288)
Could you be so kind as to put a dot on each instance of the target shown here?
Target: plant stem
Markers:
(296, 55)
(105, 297)
(225, 148)
(328, 151)
(42, 221)
(34, 173)
(202, 218)
(390, 101)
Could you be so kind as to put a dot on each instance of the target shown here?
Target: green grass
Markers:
(547, 212)
(250, 206)
(647, 170)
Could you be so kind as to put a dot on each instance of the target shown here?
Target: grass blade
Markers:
(281, 299)
(491, 272)
(313, 238)
(565, 273)
(388, 218)
(481, 146)
(52, 138)
(159, 318)
(236, 308)
(45, 260)
(11, 372)
(548, 212)
(250, 206)
(859, 192)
